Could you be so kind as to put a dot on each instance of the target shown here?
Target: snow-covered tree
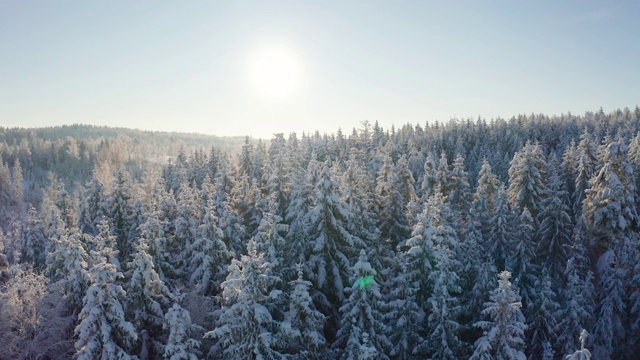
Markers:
(180, 344)
(103, 331)
(555, 228)
(245, 329)
(504, 331)
(305, 319)
(34, 245)
(362, 312)
(332, 246)
(147, 298)
(543, 322)
(391, 207)
(209, 255)
(583, 353)
(527, 179)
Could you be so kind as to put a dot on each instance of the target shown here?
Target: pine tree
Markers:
(17, 193)
(555, 228)
(502, 235)
(392, 220)
(332, 246)
(305, 319)
(209, 255)
(362, 312)
(180, 346)
(543, 324)
(103, 331)
(404, 317)
(504, 332)
(119, 209)
(147, 297)
(579, 308)
(245, 329)
(583, 353)
(527, 179)
(34, 245)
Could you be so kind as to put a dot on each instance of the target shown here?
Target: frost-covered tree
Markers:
(579, 294)
(587, 154)
(404, 317)
(542, 320)
(92, 207)
(609, 331)
(443, 328)
(503, 337)
(527, 179)
(362, 312)
(484, 198)
(21, 303)
(67, 266)
(103, 331)
(332, 246)
(245, 329)
(119, 210)
(306, 320)
(609, 205)
(185, 224)
(180, 344)
(583, 353)
(391, 207)
(209, 255)
(34, 245)
(17, 192)
(147, 298)
(503, 234)
(555, 228)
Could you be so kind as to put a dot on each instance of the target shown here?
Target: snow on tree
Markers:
(587, 155)
(504, 331)
(245, 329)
(332, 246)
(609, 205)
(460, 191)
(442, 340)
(362, 312)
(21, 300)
(180, 344)
(391, 208)
(92, 207)
(103, 331)
(555, 228)
(34, 245)
(420, 257)
(503, 234)
(429, 181)
(185, 223)
(119, 209)
(583, 353)
(484, 198)
(404, 317)
(17, 193)
(542, 320)
(209, 255)
(579, 294)
(527, 179)
(609, 332)
(525, 273)
(67, 266)
(147, 297)
(304, 318)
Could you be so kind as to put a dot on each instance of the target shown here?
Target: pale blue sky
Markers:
(181, 65)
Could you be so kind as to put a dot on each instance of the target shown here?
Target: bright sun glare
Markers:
(275, 72)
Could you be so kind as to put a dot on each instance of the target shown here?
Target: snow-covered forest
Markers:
(470, 239)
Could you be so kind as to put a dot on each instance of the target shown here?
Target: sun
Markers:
(275, 72)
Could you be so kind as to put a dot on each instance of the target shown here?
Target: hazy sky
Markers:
(185, 65)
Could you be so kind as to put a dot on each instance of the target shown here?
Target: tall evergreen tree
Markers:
(504, 332)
